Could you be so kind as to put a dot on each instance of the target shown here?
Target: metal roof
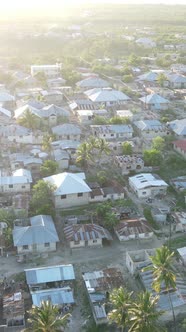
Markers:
(56, 296)
(49, 274)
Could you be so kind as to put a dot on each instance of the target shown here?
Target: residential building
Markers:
(99, 285)
(67, 131)
(51, 71)
(7, 101)
(5, 116)
(180, 147)
(179, 219)
(129, 163)
(159, 214)
(19, 134)
(107, 97)
(19, 182)
(52, 282)
(92, 83)
(82, 235)
(154, 102)
(146, 42)
(151, 128)
(133, 229)
(176, 81)
(112, 132)
(147, 185)
(71, 189)
(13, 310)
(52, 97)
(62, 158)
(138, 259)
(179, 183)
(178, 127)
(125, 114)
(36, 234)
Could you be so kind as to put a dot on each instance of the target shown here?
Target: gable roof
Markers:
(49, 274)
(106, 95)
(68, 183)
(53, 109)
(148, 125)
(93, 82)
(86, 232)
(19, 112)
(145, 180)
(150, 76)
(154, 99)
(132, 227)
(5, 112)
(23, 172)
(178, 126)
(40, 231)
(57, 296)
(66, 129)
(180, 144)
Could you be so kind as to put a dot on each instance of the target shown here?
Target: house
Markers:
(176, 81)
(133, 229)
(147, 185)
(36, 234)
(85, 116)
(55, 82)
(99, 285)
(83, 104)
(129, 163)
(54, 113)
(13, 310)
(91, 83)
(51, 71)
(28, 162)
(82, 235)
(150, 76)
(112, 132)
(159, 214)
(180, 147)
(69, 146)
(151, 128)
(138, 259)
(7, 101)
(71, 189)
(179, 183)
(52, 282)
(67, 131)
(23, 172)
(179, 219)
(164, 92)
(5, 116)
(62, 158)
(15, 183)
(19, 134)
(178, 127)
(146, 42)
(52, 97)
(107, 97)
(154, 102)
(113, 192)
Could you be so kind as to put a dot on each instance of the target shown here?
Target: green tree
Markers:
(127, 78)
(46, 318)
(47, 142)
(48, 168)
(127, 148)
(100, 120)
(84, 155)
(134, 60)
(103, 147)
(161, 79)
(152, 157)
(143, 314)
(158, 143)
(164, 274)
(29, 120)
(41, 201)
(121, 301)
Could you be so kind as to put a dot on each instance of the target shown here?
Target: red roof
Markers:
(180, 144)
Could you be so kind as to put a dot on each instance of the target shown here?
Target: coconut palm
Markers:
(84, 154)
(102, 146)
(46, 318)
(143, 314)
(29, 120)
(164, 276)
(121, 300)
(47, 142)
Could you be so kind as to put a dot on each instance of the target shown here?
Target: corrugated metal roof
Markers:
(56, 296)
(50, 274)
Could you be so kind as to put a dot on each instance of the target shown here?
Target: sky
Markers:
(14, 7)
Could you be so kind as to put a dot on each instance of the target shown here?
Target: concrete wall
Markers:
(71, 200)
(23, 187)
(37, 248)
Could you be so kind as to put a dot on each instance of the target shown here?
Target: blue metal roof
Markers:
(56, 296)
(50, 274)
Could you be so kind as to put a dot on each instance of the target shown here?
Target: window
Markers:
(79, 194)
(63, 196)
(47, 244)
(144, 193)
(10, 186)
(25, 247)
(94, 241)
(76, 242)
(23, 187)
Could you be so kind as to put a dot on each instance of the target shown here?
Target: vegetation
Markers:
(148, 215)
(127, 148)
(158, 143)
(152, 157)
(41, 201)
(46, 318)
(29, 120)
(48, 168)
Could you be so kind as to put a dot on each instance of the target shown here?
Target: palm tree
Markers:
(46, 318)
(103, 146)
(47, 142)
(143, 314)
(164, 274)
(29, 120)
(121, 300)
(84, 154)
